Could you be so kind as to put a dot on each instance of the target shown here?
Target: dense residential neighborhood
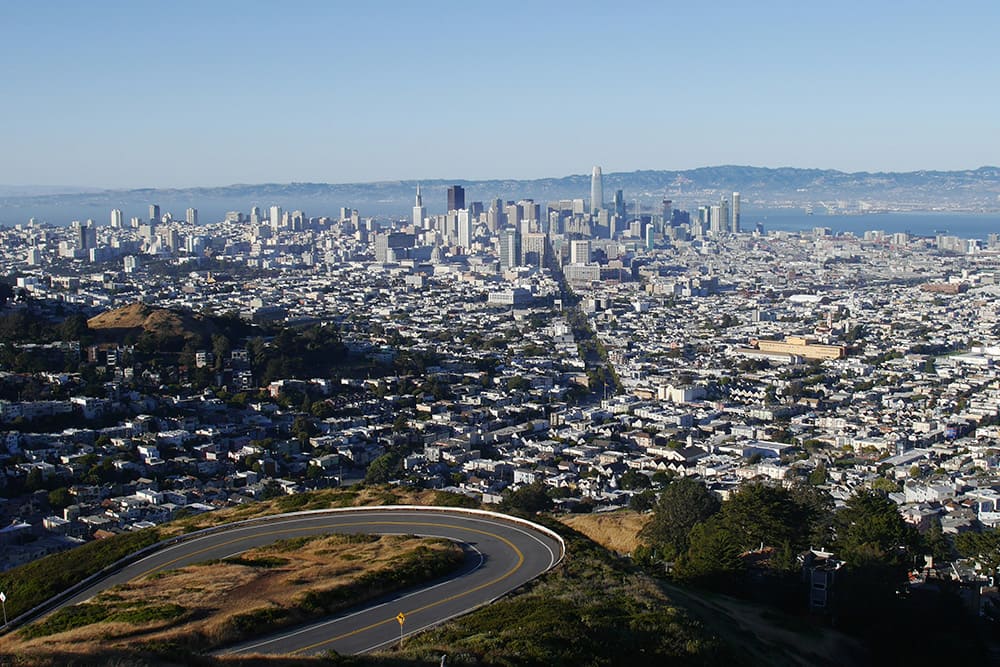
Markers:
(164, 368)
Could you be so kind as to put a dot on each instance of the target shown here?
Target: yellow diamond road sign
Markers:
(400, 617)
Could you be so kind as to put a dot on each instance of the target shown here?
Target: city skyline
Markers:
(198, 102)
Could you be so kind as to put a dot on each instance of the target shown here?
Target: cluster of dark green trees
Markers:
(747, 545)
(709, 542)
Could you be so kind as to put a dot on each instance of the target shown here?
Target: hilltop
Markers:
(162, 323)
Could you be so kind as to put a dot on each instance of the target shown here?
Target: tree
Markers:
(34, 481)
(382, 469)
(682, 505)
(816, 510)
(936, 543)
(73, 327)
(303, 428)
(713, 558)
(878, 548)
(818, 476)
(886, 485)
(529, 499)
(662, 478)
(60, 498)
(632, 479)
(221, 348)
(790, 520)
(641, 502)
(984, 547)
(272, 490)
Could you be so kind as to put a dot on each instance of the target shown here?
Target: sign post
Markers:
(3, 601)
(401, 618)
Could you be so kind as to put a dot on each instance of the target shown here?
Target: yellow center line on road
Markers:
(250, 536)
(391, 619)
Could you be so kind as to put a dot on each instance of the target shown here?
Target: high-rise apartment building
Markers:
(465, 229)
(456, 198)
(534, 247)
(192, 216)
(715, 223)
(596, 190)
(154, 213)
(579, 252)
(735, 226)
(275, 217)
(116, 218)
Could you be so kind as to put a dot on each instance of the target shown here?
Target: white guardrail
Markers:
(55, 600)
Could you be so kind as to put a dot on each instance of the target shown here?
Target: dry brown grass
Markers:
(213, 594)
(617, 531)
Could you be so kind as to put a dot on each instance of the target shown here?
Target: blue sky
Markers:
(174, 94)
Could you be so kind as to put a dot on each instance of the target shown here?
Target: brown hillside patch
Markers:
(617, 531)
(161, 322)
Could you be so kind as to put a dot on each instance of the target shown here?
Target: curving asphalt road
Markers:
(500, 556)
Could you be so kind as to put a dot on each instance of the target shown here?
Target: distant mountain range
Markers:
(976, 190)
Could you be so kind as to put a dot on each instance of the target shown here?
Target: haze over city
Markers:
(116, 95)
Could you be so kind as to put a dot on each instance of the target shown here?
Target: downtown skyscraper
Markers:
(596, 190)
(419, 211)
(456, 198)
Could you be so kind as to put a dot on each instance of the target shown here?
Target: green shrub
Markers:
(33, 583)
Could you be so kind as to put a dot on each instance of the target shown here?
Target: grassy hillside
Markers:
(29, 585)
(219, 603)
(593, 609)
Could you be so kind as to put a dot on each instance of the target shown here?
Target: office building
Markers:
(596, 190)
(154, 213)
(419, 211)
(510, 249)
(275, 217)
(392, 246)
(619, 204)
(191, 216)
(84, 234)
(456, 198)
(667, 211)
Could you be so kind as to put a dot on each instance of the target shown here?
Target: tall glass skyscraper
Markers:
(596, 190)
(456, 198)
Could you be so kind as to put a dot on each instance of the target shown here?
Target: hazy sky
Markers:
(164, 94)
